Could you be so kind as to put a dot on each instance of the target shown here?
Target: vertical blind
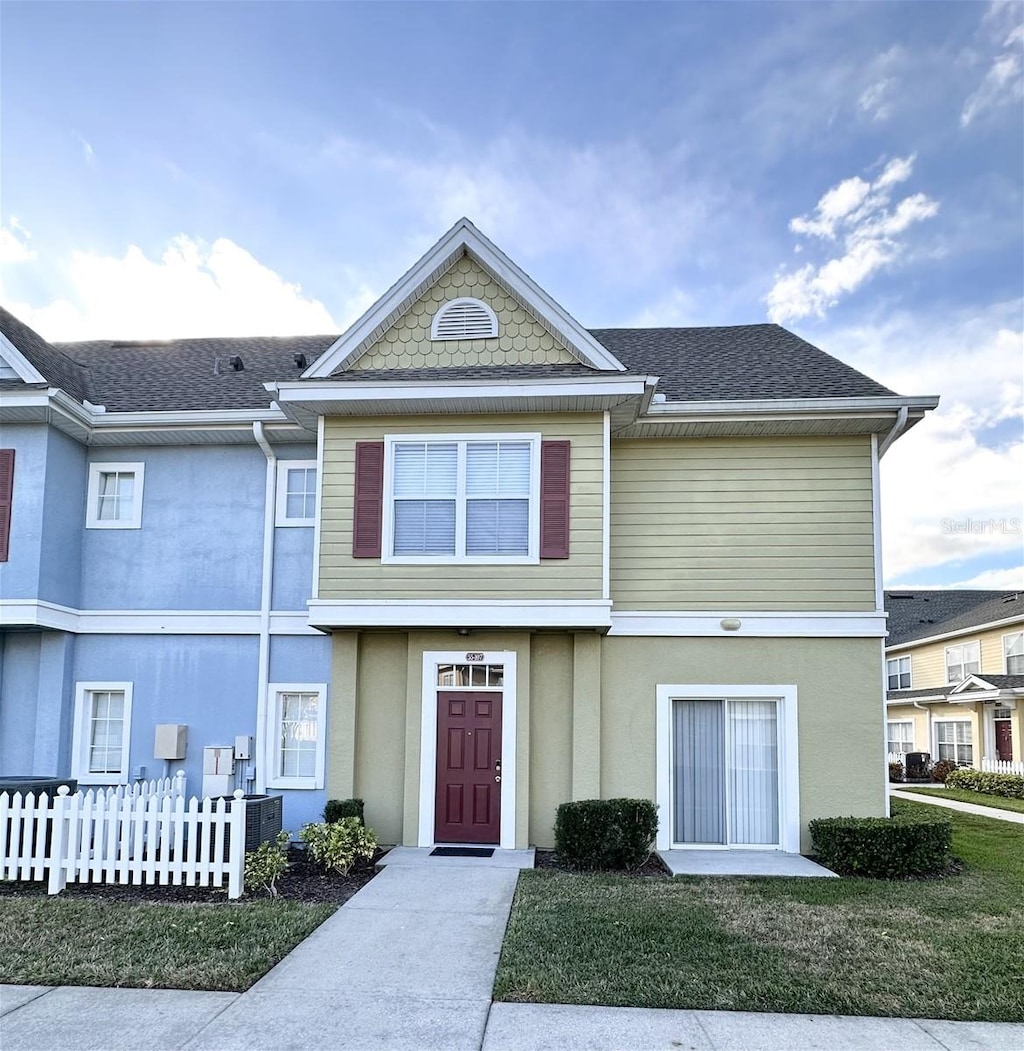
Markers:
(753, 772)
(699, 768)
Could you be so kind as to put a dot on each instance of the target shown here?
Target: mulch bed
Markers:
(651, 868)
(301, 881)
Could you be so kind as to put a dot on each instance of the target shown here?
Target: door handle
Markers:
(497, 777)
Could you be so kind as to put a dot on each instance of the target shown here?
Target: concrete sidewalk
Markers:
(955, 804)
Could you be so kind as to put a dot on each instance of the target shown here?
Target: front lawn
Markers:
(945, 948)
(961, 795)
(85, 941)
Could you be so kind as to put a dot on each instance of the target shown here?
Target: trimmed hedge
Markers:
(883, 847)
(1010, 786)
(605, 833)
(336, 809)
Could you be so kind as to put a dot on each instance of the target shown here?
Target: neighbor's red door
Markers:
(1004, 741)
(467, 804)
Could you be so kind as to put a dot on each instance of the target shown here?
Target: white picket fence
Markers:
(1001, 766)
(107, 836)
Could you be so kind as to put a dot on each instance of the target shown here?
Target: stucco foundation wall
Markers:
(839, 704)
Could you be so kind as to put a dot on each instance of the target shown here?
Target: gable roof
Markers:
(55, 366)
(917, 615)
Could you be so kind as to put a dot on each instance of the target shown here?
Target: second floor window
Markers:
(1013, 651)
(897, 673)
(115, 496)
(963, 660)
(296, 493)
(462, 499)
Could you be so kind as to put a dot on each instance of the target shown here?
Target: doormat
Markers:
(462, 852)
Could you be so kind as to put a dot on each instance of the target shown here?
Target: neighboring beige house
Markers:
(561, 563)
(955, 674)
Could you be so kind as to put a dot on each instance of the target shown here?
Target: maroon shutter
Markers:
(6, 498)
(369, 500)
(554, 499)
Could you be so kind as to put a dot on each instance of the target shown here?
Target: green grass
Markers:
(962, 795)
(77, 941)
(946, 948)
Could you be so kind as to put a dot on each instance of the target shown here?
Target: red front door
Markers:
(1004, 740)
(467, 803)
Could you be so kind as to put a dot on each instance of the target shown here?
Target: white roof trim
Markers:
(464, 236)
(27, 372)
(975, 681)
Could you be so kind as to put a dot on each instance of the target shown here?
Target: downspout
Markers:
(266, 590)
(897, 429)
(928, 716)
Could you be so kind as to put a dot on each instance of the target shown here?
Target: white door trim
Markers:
(789, 767)
(428, 740)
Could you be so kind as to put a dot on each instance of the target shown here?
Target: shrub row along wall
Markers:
(1010, 786)
(883, 848)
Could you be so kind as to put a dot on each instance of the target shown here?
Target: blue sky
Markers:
(853, 171)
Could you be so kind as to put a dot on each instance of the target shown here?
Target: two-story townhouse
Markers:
(467, 561)
(955, 674)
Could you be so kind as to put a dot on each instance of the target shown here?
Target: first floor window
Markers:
(115, 496)
(897, 671)
(296, 735)
(296, 493)
(1013, 651)
(900, 736)
(953, 741)
(102, 733)
(963, 660)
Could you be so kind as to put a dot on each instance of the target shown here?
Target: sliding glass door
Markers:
(725, 772)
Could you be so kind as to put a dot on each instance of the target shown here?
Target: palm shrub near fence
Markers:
(266, 863)
(605, 833)
(1010, 786)
(338, 845)
(883, 847)
(336, 809)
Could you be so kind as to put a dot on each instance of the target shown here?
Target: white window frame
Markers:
(445, 307)
(1006, 646)
(96, 471)
(80, 733)
(973, 745)
(532, 557)
(273, 740)
(788, 761)
(889, 738)
(910, 672)
(283, 467)
(962, 664)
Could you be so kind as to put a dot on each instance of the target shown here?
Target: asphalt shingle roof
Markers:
(59, 368)
(920, 614)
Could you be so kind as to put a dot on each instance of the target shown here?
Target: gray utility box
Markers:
(263, 815)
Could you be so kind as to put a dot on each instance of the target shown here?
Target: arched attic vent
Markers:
(464, 318)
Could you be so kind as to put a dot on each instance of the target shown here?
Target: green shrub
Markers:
(264, 864)
(605, 833)
(338, 845)
(883, 847)
(896, 771)
(1010, 786)
(942, 769)
(336, 809)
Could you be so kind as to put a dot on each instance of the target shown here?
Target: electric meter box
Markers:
(171, 741)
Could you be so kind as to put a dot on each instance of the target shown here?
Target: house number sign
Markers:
(474, 656)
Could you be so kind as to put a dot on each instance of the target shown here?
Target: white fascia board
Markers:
(463, 235)
(809, 624)
(932, 698)
(25, 613)
(788, 406)
(458, 613)
(974, 629)
(27, 372)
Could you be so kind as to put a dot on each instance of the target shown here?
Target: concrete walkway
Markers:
(409, 963)
(967, 808)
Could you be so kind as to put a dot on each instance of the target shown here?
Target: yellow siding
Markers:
(577, 577)
(742, 524)
(928, 661)
(521, 340)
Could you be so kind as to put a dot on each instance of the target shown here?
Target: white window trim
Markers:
(273, 735)
(789, 766)
(283, 467)
(1006, 657)
(428, 741)
(964, 662)
(80, 734)
(889, 723)
(974, 744)
(92, 520)
(532, 557)
(896, 660)
(445, 307)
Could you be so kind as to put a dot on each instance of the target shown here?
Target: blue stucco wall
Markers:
(19, 575)
(63, 520)
(201, 541)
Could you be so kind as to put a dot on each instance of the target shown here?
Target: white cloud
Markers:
(859, 212)
(951, 489)
(994, 580)
(14, 247)
(193, 289)
(876, 101)
(1003, 83)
